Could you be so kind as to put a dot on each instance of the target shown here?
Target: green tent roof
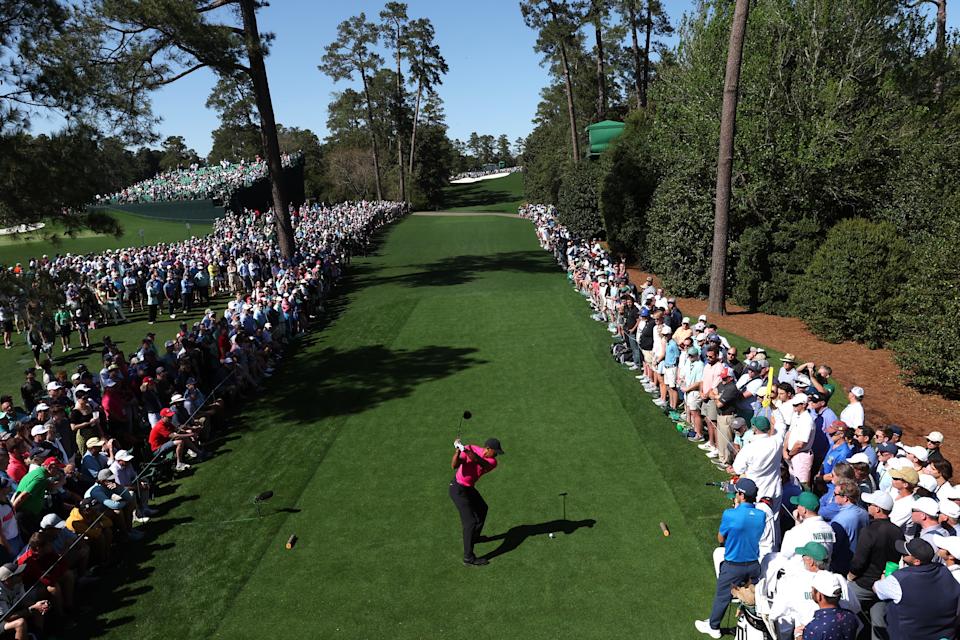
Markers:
(602, 134)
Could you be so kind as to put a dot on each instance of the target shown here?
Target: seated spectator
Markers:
(94, 460)
(44, 565)
(28, 616)
(830, 621)
(117, 499)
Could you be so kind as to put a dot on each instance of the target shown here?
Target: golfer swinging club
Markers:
(471, 462)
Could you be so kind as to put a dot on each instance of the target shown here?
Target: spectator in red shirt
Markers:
(164, 436)
(59, 582)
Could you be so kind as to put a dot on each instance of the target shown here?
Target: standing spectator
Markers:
(948, 549)
(788, 371)
(922, 598)
(934, 441)
(876, 546)
(809, 527)
(759, 460)
(798, 446)
(925, 519)
(852, 414)
(154, 296)
(740, 530)
(904, 483)
(863, 435)
(846, 524)
(171, 294)
(31, 390)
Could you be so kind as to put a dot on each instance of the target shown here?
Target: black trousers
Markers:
(473, 513)
(152, 308)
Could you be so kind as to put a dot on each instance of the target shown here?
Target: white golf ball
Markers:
(552, 535)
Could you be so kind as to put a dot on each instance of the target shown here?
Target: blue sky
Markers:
(492, 87)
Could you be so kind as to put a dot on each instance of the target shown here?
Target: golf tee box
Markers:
(292, 540)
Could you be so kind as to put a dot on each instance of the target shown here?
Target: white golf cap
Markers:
(953, 493)
(928, 482)
(857, 392)
(82, 387)
(950, 509)
(39, 430)
(928, 506)
(42, 406)
(686, 320)
(54, 385)
(702, 317)
(881, 499)
(935, 436)
(800, 398)
(52, 520)
(827, 583)
(124, 455)
(858, 457)
(803, 381)
(177, 397)
(666, 329)
(950, 543)
(75, 377)
(919, 452)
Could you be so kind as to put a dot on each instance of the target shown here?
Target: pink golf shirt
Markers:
(469, 471)
(711, 377)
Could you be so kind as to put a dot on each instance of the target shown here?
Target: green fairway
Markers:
(500, 194)
(22, 247)
(354, 437)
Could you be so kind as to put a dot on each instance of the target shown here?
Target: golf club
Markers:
(466, 416)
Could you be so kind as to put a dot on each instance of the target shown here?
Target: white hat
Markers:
(927, 505)
(686, 320)
(75, 377)
(82, 387)
(858, 457)
(6, 573)
(800, 398)
(827, 583)
(39, 430)
(919, 452)
(928, 482)
(950, 509)
(124, 455)
(94, 442)
(701, 337)
(702, 317)
(177, 397)
(953, 493)
(666, 329)
(803, 381)
(950, 543)
(53, 385)
(42, 406)
(105, 474)
(52, 520)
(935, 436)
(881, 499)
(857, 392)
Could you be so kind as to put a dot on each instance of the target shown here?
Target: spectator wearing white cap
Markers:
(683, 331)
(852, 414)
(917, 455)
(125, 473)
(948, 548)
(94, 460)
(668, 377)
(950, 516)
(875, 548)
(28, 616)
(830, 621)
(798, 446)
(107, 492)
(925, 519)
(934, 441)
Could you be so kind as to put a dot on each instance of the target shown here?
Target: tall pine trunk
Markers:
(728, 127)
(641, 95)
(400, 166)
(373, 134)
(571, 109)
(646, 51)
(416, 118)
(268, 128)
(602, 99)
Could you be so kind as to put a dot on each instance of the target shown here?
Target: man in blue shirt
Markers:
(830, 622)
(740, 530)
(839, 450)
(848, 521)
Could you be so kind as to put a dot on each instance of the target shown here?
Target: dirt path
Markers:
(887, 399)
(465, 213)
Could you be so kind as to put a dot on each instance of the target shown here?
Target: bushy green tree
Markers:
(577, 202)
(853, 283)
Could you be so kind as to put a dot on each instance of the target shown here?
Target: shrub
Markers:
(929, 328)
(578, 206)
(853, 283)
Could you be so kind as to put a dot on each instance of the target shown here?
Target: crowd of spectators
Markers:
(485, 172)
(839, 528)
(81, 452)
(217, 182)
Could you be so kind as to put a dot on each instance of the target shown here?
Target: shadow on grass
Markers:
(476, 194)
(348, 381)
(457, 270)
(516, 536)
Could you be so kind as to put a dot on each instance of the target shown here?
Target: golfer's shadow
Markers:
(516, 535)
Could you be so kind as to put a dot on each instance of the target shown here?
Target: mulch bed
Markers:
(888, 400)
